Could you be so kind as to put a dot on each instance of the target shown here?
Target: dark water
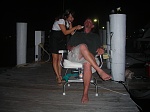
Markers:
(142, 104)
(141, 97)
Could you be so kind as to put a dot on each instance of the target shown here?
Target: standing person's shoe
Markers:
(59, 82)
(62, 80)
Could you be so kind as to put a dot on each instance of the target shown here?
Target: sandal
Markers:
(61, 79)
(59, 82)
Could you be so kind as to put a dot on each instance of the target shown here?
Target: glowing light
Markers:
(95, 20)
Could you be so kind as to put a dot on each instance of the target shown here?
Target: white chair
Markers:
(77, 70)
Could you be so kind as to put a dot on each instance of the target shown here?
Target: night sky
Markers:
(40, 15)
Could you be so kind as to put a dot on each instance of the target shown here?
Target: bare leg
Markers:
(59, 66)
(90, 58)
(56, 66)
(86, 78)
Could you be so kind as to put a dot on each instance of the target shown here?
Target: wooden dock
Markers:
(32, 88)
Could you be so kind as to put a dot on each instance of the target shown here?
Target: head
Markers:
(69, 15)
(88, 25)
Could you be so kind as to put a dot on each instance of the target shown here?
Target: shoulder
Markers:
(61, 21)
(95, 34)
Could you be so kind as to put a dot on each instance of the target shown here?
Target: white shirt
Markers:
(56, 24)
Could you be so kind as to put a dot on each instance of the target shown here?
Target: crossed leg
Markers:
(88, 72)
(84, 52)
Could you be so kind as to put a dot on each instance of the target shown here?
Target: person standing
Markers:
(62, 27)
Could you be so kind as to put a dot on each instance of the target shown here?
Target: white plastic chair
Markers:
(77, 69)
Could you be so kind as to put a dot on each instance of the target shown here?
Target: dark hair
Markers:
(65, 15)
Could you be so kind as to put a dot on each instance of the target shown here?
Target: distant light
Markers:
(103, 27)
(95, 20)
(143, 29)
(118, 9)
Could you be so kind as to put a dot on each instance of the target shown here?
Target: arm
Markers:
(70, 26)
(100, 51)
(71, 30)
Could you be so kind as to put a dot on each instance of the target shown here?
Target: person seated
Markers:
(83, 47)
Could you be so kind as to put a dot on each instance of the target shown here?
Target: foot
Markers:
(104, 75)
(84, 99)
(59, 83)
(61, 79)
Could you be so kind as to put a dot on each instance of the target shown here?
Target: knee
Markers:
(87, 65)
(83, 46)
(87, 69)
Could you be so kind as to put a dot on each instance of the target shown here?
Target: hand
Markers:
(100, 51)
(79, 27)
(70, 47)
